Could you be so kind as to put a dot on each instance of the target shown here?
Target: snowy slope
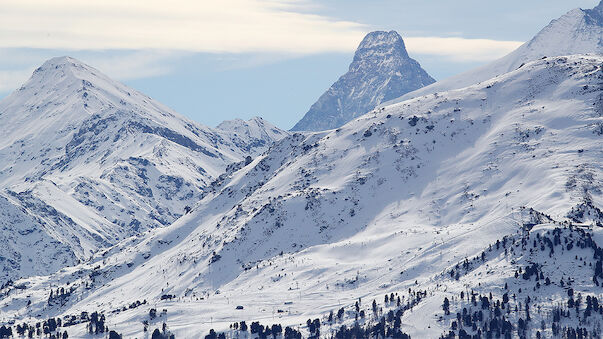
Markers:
(252, 136)
(580, 31)
(20, 230)
(381, 71)
(390, 201)
(99, 161)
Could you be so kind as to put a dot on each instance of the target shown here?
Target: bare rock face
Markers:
(381, 71)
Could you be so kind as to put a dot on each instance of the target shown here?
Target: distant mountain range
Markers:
(381, 71)
(393, 200)
(472, 212)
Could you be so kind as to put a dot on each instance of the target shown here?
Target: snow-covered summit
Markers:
(62, 63)
(89, 161)
(381, 70)
(253, 135)
(580, 31)
(256, 128)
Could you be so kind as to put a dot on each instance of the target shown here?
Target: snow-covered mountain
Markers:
(86, 161)
(419, 200)
(381, 71)
(580, 31)
(253, 136)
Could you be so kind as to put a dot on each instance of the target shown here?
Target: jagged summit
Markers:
(379, 48)
(383, 40)
(381, 70)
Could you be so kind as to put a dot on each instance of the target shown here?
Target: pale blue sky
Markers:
(271, 58)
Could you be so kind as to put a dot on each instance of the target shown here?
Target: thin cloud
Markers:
(461, 49)
(152, 35)
(227, 26)
(135, 65)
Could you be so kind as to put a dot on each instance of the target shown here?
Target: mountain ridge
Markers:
(92, 161)
(472, 211)
(580, 31)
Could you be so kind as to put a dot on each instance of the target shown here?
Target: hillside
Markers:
(389, 202)
(89, 161)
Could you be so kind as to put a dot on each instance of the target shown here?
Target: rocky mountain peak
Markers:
(256, 133)
(381, 70)
(380, 49)
(380, 40)
(61, 67)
